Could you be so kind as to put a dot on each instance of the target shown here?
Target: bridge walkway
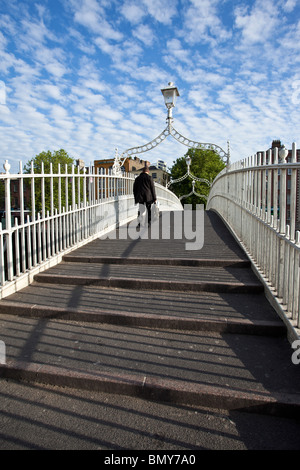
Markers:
(148, 319)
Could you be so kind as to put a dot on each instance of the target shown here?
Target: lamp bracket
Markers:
(169, 130)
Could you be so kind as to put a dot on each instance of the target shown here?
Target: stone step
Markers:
(145, 277)
(147, 319)
(222, 371)
(200, 311)
(158, 261)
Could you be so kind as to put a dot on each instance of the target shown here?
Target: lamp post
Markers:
(188, 163)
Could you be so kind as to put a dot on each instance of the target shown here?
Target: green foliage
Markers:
(204, 164)
(57, 157)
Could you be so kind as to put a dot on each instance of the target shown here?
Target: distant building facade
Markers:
(161, 165)
(159, 175)
(130, 164)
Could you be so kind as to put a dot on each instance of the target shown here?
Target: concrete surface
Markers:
(146, 325)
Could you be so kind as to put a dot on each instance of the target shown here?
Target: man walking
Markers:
(144, 191)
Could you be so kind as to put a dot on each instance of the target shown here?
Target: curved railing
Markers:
(59, 212)
(258, 198)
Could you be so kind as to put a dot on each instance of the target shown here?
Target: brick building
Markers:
(130, 164)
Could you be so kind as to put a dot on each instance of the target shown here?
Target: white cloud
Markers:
(53, 91)
(258, 24)
(91, 14)
(203, 24)
(162, 10)
(55, 68)
(58, 112)
(176, 50)
(289, 5)
(291, 40)
(95, 85)
(145, 34)
(35, 33)
(89, 79)
(133, 12)
(150, 73)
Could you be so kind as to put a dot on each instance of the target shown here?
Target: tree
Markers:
(206, 164)
(57, 157)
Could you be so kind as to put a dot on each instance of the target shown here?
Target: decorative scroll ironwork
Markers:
(120, 160)
(196, 145)
(193, 192)
(169, 130)
(189, 175)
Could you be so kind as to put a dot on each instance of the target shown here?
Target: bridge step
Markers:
(226, 313)
(156, 322)
(191, 368)
(145, 277)
(236, 263)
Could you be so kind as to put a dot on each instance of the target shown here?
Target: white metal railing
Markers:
(58, 212)
(258, 198)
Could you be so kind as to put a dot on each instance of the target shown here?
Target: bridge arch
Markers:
(170, 94)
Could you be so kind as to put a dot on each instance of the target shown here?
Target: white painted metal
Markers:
(93, 204)
(252, 197)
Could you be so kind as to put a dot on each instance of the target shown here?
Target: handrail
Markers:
(258, 198)
(58, 212)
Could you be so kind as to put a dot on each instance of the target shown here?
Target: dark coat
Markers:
(143, 189)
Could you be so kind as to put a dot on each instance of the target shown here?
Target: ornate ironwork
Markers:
(193, 192)
(120, 160)
(169, 130)
(189, 175)
(194, 179)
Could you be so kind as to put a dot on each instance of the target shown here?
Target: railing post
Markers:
(8, 237)
(60, 220)
(293, 194)
(22, 220)
(282, 231)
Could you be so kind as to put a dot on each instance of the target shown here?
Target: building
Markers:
(159, 175)
(130, 164)
(161, 165)
(15, 199)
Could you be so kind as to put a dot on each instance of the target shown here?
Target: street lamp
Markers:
(188, 162)
(170, 94)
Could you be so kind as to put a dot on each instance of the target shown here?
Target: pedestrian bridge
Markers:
(200, 308)
(71, 209)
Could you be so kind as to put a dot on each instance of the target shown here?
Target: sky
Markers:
(86, 76)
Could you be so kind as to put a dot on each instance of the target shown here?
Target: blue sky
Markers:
(86, 75)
